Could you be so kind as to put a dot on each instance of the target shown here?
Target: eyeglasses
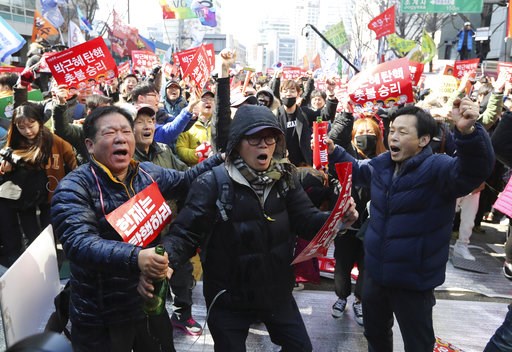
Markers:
(256, 140)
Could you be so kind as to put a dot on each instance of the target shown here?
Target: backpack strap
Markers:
(224, 191)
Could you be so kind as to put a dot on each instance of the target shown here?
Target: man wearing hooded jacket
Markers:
(246, 254)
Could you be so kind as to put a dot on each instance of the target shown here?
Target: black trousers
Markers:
(230, 328)
(181, 284)
(151, 334)
(348, 249)
(413, 311)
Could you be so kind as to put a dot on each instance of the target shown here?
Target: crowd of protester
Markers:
(415, 163)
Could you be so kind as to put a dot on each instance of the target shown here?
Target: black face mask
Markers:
(367, 143)
(289, 102)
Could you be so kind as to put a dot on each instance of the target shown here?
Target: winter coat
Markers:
(249, 252)
(104, 269)
(168, 133)
(303, 130)
(62, 161)
(407, 240)
(460, 36)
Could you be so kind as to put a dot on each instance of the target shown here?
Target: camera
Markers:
(8, 155)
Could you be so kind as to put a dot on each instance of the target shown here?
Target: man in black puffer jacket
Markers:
(105, 308)
(247, 244)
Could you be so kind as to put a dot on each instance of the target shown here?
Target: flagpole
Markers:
(61, 37)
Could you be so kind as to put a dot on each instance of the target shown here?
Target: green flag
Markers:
(336, 35)
(6, 105)
(402, 46)
(428, 48)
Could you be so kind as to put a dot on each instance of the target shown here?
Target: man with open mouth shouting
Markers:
(106, 245)
(413, 194)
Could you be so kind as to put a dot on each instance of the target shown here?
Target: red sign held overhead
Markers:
(321, 242)
(507, 67)
(385, 84)
(184, 58)
(416, 69)
(199, 69)
(383, 24)
(76, 66)
(141, 219)
(460, 68)
(293, 72)
(124, 69)
(144, 61)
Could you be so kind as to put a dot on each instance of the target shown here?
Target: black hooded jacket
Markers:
(246, 256)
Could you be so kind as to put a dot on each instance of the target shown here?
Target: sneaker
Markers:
(338, 308)
(507, 270)
(358, 312)
(461, 250)
(190, 326)
(298, 286)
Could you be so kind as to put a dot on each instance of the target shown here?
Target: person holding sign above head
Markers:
(106, 237)
(244, 215)
(413, 194)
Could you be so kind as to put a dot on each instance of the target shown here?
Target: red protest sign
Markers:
(416, 70)
(12, 69)
(293, 72)
(124, 69)
(141, 219)
(507, 67)
(184, 58)
(460, 68)
(198, 69)
(383, 24)
(144, 61)
(388, 83)
(83, 63)
(321, 242)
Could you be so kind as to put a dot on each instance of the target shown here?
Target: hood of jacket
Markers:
(248, 117)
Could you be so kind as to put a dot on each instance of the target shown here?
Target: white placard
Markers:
(28, 288)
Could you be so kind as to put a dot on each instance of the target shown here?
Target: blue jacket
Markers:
(104, 269)
(411, 213)
(469, 44)
(168, 133)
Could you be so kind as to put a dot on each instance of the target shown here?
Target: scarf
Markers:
(278, 169)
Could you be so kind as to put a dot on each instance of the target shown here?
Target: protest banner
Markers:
(144, 61)
(141, 219)
(321, 242)
(383, 24)
(416, 69)
(169, 70)
(387, 84)
(82, 64)
(42, 28)
(198, 69)
(400, 45)
(461, 67)
(445, 87)
(507, 67)
(293, 72)
(124, 69)
(10, 40)
(185, 57)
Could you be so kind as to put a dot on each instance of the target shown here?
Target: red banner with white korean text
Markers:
(11, 69)
(144, 61)
(185, 57)
(386, 84)
(169, 70)
(507, 67)
(83, 64)
(141, 219)
(199, 69)
(416, 69)
(461, 67)
(323, 239)
(383, 24)
(293, 72)
(124, 69)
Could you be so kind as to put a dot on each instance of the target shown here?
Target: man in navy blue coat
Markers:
(413, 194)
